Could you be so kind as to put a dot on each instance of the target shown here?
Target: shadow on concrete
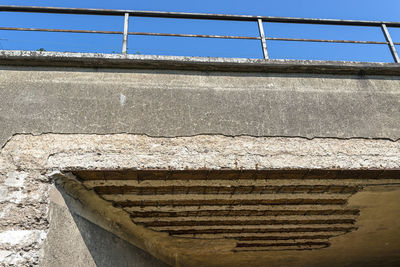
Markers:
(109, 250)
(75, 241)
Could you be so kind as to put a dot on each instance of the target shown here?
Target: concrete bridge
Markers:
(131, 160)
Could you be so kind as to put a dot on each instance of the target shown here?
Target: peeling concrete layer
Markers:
(121, 151)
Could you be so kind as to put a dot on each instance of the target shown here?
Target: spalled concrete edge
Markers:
(98, 60)
(49, 151)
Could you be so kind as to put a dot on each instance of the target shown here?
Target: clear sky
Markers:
(381, 10)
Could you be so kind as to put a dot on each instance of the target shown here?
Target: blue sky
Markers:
(382, 10)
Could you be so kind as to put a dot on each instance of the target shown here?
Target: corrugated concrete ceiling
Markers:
(262, 210)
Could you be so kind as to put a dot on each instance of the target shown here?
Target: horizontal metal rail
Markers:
(179, 15)
(325, 41)
(198, 35)
(195, 35)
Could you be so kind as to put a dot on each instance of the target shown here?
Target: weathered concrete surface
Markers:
(27, 163)
(187, 102)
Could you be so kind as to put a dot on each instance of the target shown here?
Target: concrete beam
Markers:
(107, 94)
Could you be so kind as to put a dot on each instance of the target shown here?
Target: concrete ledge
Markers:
(97, 60)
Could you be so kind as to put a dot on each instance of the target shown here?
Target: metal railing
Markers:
(126, 14)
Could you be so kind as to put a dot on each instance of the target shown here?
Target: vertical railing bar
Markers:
(125, 37)
(390, 43)
(262, 35)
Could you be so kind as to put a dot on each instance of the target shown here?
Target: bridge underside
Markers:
(268, 210)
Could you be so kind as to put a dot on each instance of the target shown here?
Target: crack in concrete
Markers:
(204, 134)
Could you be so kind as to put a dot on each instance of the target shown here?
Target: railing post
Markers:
(262, 36)
(125, 37)
(391, 44)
